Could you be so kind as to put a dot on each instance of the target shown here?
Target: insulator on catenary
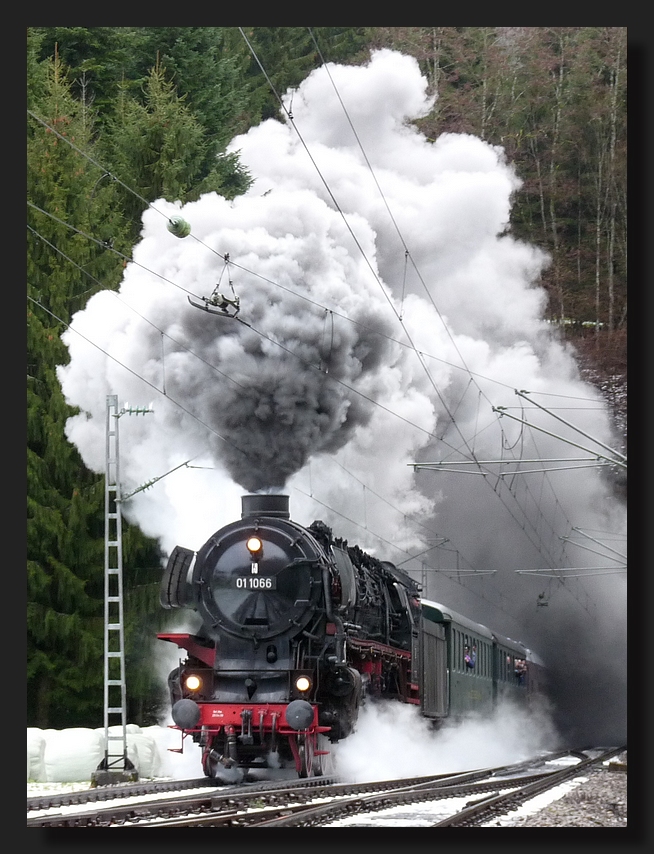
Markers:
(179, 227)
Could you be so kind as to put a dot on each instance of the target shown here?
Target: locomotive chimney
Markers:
(265, 505)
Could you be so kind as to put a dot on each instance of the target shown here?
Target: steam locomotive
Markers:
(297, 627)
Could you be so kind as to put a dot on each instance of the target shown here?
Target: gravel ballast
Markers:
(599, 802)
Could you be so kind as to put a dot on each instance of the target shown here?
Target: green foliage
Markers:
(159, 148)
(36, 73)
(65, 502)
(206, 67)
(288, 55)
(95, 60)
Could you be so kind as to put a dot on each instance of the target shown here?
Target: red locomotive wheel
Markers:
(306, 749)
(323, 758)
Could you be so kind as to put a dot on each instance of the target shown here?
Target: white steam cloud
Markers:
(408, 746)
(387, 313)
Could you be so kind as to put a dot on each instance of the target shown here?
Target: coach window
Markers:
(455, 649)
(459, 657)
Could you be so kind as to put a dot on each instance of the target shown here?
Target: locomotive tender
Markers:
(298, 627)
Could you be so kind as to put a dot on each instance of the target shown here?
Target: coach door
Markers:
(434, 699)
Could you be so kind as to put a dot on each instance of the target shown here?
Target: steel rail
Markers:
(481, 811)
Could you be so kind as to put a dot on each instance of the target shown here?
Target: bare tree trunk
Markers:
(436, 67)
(484, 90)
(489, 76)
(86, 100)
(552, 189)
(579, 227)
(612, 189)
(611, 268)
(598, 246)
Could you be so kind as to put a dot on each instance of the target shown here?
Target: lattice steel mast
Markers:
(115, 767)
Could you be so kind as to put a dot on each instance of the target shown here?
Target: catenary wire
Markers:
(455, 366)
(420, 359)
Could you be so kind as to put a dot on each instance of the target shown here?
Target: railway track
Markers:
(320, 801)
(488, 808)
(109, 793)
(150, 800)
(236, 806)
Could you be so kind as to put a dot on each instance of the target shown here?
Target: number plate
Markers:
(254, 582)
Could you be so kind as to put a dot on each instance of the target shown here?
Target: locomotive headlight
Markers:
(302, 684)
(193, 682)
(255, 547)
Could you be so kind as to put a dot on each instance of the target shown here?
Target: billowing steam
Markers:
(386, 314)
(408, 746)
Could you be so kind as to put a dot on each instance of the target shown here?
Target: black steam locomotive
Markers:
(297, 628)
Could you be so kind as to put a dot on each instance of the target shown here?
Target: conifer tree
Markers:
(73, 221)
(206, 66)
(64, 619)
(159, 148)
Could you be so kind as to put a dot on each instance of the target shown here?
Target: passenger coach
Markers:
(466, 667)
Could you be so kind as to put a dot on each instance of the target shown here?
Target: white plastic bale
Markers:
(72, 755)
(148, 754)
(179, 766)
(35, 755)
(148, 750)
(116, 746)
(142, 749)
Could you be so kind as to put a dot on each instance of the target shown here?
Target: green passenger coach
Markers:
(466, 667)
